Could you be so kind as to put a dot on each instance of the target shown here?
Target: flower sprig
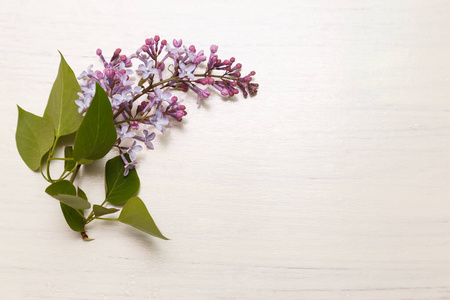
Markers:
(121, 106)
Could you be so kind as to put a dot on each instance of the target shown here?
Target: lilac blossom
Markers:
(187, 71)
(128, 165)
(159, 121)
(147, 69)
(83, 102)
(123, 132)
(131, 150)
(118, 99)
(160, 96)
(158, 106)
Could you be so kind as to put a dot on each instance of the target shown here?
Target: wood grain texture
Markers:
(332, 183)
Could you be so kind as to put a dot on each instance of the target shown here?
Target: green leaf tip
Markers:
(97, 133)
(135, 213)
(34, 137)
(101, 211)
(61, 109)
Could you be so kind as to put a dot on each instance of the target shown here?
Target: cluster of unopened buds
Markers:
(143, 95)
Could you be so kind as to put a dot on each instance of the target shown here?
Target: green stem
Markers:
(61, 158)
(49, 158)
(74, 174)
(106, 219)
(90, 217)
(42, 173)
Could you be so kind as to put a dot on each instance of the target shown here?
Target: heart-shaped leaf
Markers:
(97, 133)
(61, 109)
(34, 137)
(120, 188)
(135, 213)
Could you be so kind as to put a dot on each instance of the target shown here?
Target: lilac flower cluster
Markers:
(158, 106)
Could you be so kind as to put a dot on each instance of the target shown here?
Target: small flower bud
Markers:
(99, 52)
(144, 48)
(99, 75)
(163, 42)
(214, 48)
(156, 38)
(177, 43)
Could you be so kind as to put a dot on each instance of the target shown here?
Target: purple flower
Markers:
(148, 138)
(160, 96)
(147, 69)
(174, 52)
(89, 89)
(128, 165)
(86, 73)
(159, 121)
(202, 94)
(123, 134)
(83, 102)
(187, 71)
(121, 98)
(132, 150)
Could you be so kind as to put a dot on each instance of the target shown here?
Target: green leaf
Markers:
(135, 213)
(120, 188)
(65, 192)
(34, 137)
(61, 109)
(97, 133)
(81, 194)
(73, 217)
(68, 164)
(101, 211)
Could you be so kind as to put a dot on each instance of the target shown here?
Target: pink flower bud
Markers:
(177, 43)
(214, 48)
(156, 38)
(99, 52)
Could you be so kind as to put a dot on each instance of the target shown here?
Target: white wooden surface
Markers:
(332, 183)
